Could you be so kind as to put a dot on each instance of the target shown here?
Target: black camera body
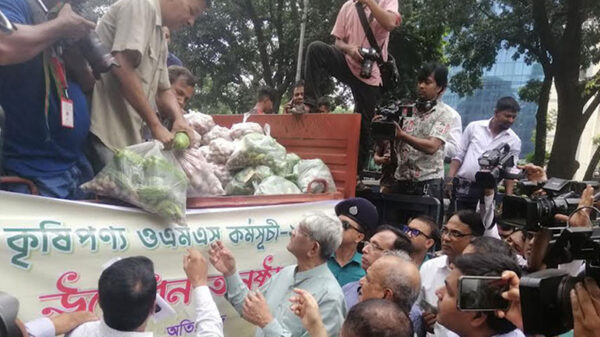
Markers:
(545, 300)
(97, 55)
(370, 56)
(531, 213)
(495, 165)
(395, 111)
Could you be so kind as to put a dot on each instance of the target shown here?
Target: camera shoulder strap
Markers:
(368, 32)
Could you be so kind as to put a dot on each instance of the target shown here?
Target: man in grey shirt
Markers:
(313, 241)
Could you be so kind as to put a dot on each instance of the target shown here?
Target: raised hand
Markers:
(196, 268)
(221, 258)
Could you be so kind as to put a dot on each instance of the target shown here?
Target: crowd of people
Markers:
(354, 276)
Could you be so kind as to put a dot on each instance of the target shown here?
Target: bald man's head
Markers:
(377, 318)
(393, 278)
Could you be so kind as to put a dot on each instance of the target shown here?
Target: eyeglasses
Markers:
(373, 245)
(413, 232)
(453, 234)
(346, 226)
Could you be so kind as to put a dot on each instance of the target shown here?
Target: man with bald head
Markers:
(377, 317)
(393, 278)
(391, 285)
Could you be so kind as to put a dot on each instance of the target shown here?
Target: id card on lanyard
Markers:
(55, 71)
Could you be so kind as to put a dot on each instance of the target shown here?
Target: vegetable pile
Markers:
(242, 160)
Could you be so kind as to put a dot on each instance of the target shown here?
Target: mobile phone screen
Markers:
(481, 293)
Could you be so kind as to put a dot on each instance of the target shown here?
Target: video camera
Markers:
(562, 197)
(496, 164)
(545, 300)
(394, 111)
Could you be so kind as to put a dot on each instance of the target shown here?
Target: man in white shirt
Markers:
(127, 297)
(455, 237)
(478, 137)
(451, 146)
(475, 323)
(57, 325)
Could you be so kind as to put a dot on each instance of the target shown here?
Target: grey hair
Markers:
(399, 253)
(326, 230)
(404, 291)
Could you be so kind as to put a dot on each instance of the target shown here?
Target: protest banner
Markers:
(52, 252)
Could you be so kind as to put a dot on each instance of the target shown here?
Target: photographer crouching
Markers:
(419, 137)
(43, 77)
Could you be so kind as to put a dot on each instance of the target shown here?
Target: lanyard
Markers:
(54, 71)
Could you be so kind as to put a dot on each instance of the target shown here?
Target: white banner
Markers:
(52, 252)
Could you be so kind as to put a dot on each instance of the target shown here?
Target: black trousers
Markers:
(322, 61)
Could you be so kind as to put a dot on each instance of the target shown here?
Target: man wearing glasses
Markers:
(455, 236)
(359, 219)
(423, 234)
(385, 239)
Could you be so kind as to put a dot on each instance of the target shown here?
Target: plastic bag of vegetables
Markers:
(202, 123)
(276, 185)
(220, 150)
(243, 182)
(216, 132)
(286, 168)
(239, 130)
(202, 180)
(254, 150)
(222, 173)
(145, 176)
(315, 170)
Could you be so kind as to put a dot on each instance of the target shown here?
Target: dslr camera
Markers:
(94, 51)
(370, 56)
(496, 164)
(394, 111)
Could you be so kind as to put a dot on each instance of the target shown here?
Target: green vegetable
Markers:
(181, 141)
(170, 210)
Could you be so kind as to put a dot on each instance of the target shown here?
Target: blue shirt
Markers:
(173, 60)
(31, 148)
(351, 272)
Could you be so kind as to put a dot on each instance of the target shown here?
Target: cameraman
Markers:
(420, 140)
(343, 61)
(42, 92)
(479, 137)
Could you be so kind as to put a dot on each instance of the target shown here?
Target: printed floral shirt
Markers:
(414, 165)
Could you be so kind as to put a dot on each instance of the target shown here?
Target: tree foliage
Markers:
(562, 35)
(242, 44)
